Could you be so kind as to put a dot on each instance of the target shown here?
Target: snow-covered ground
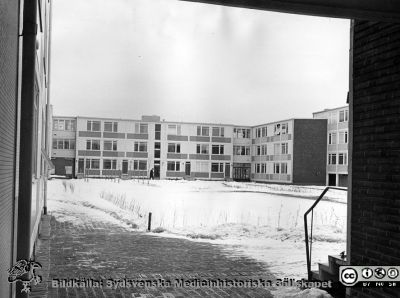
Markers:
(263, 221)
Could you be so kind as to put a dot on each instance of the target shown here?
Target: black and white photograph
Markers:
(199, 148)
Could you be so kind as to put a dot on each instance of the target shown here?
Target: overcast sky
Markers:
(194, 62)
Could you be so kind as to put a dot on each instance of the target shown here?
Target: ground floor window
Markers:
(110, 164)
(92, 163)
(280, 168)
(217, 167)
(173, 166)
(140, 165)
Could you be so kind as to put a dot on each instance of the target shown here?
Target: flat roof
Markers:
(333, 109)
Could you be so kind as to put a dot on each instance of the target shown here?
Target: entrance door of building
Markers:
(124, 167)
(227, 170)
(156, 169)
(332, 180)
(187, 168)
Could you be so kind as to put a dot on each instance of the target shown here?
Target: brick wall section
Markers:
(309, 151)
(8, 99)
(375, 215)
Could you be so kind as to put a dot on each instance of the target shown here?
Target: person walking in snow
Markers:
(151, 174)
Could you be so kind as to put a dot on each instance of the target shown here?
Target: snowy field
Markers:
(263, 221)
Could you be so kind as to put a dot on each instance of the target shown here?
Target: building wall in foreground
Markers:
(375, 189)
(8, 131)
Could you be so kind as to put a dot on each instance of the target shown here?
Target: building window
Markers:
(281, 129)
(217, 167)
(332, 159)
(257, 168)
(264, 131)
(140, 147)
(241, 133)
(241, 150)
(140, 165)
(111, 126)
(174, 148)
(157, 149)
(263, 168)
(63, 144)
(92, 163)
(93, 125)
(202, 148)
(109, 164)
(202, 167)
(110, 145)
(174, 129)
(344, 116)
(285, 148)
(283, 168)
(332, 138)
(342, 160)
(141, 128)
(263, 149)
(258, 150)
(157, 131)
(258, 133)
(92, 144)
(64, 124)
(277, 168)
(173, 166)
(217, 131)
(343, 137)
(203, 131)
(217, 149)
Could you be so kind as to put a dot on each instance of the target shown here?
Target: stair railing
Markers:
(307, 241)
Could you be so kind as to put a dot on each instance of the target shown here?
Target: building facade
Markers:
(99, 147)
(337, 144)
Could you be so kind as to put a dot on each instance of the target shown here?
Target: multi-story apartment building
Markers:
(337, 144)
(99, 147)
(290, 151)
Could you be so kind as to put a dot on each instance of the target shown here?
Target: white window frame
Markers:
(114, 145)
(220, 149)
(138, 146)
(176, 147)
(91, 142)
(220, 166)
(175, 166)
